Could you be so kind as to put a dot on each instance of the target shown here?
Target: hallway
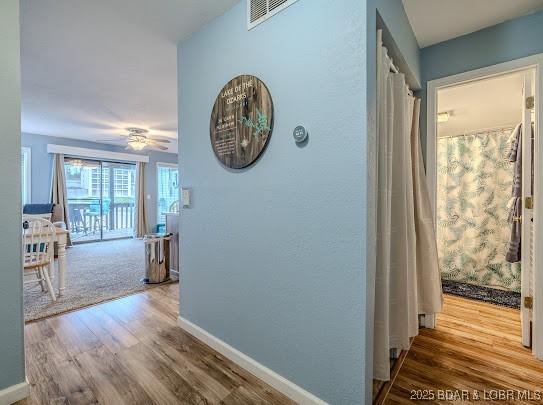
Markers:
(130, 351)
(475, 346)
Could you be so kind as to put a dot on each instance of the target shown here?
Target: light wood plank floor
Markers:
(130, 351)
(475, 346)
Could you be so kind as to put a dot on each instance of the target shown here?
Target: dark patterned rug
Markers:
(509, 299)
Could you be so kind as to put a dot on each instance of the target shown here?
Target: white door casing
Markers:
(527, 214)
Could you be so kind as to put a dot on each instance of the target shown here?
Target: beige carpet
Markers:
(96, 272)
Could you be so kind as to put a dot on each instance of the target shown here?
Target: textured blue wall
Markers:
(273, 256)
(371, 187)
(393, 14)
(42, 161)
(500, 43)
(11, 290)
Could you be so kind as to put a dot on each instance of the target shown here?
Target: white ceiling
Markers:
(435, 21)
(90, 69)
(483, 104)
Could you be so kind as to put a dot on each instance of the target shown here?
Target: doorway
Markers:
(471, 168)
(475, 173)
(101, 199)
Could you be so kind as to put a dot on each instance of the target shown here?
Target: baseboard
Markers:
(270, 377)
(14, 393)
(380, 399)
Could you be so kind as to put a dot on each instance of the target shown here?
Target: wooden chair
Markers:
(38, 250)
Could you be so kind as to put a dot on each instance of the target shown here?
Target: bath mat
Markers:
(509, 299)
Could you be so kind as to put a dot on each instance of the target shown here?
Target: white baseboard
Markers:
(14, 393)
(270, 377)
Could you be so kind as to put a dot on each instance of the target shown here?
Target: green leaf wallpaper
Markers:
(473, 188)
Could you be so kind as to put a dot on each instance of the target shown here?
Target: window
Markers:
(124, 183)
(25, 175)
(168, 190)
(95, 182)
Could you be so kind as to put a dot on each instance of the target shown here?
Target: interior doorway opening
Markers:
(478, 135)
(482, 165)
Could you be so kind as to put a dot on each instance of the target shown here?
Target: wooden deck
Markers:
(130, 351)
(475, 347)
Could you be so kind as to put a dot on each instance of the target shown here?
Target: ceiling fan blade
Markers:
(160, 140)
(160, 147)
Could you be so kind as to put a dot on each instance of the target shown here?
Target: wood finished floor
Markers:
(475, 346)
(130, 351)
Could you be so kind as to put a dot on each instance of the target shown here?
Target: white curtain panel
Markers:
(430, 296)
(401, 288)
(59, 196)
(403, 291)
(385, 114)
(140, 225)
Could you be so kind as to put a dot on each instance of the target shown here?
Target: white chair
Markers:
(43, 216)
(38, 251)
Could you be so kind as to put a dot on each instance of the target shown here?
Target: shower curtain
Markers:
(407, 276)
(474, 185)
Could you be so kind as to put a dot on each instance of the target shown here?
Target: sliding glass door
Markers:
(101, 199)
(84, 199)
(119, 198)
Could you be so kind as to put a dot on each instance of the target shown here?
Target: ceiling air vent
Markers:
(259, 11)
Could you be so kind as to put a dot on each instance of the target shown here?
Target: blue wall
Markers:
(500, 43)
(42, 165)
(273, 256)
(12, 369)
(406, 50)
(371, 187)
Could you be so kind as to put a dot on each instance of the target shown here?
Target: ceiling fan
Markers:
(138, 140)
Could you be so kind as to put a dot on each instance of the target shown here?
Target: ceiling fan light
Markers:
(137, 145)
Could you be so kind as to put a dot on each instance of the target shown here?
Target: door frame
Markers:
(531, 62)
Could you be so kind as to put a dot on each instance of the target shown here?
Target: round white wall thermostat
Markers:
(300, 134)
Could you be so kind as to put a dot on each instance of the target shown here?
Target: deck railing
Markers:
(85, 216)
(121, 216)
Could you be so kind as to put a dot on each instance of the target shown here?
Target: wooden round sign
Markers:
(241, 122)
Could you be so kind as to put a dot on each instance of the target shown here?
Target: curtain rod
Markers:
(96, 153)
(393, 68)
(480, 131)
